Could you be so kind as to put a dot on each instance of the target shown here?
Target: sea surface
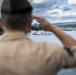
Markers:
(53, 39)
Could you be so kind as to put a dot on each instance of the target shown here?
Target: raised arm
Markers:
(65, 39)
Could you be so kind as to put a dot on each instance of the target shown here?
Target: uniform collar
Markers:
(14, 36)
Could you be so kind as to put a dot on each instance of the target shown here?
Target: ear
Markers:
(0, 23)
(30, 22)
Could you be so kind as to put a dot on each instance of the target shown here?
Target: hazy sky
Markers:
(55, 10)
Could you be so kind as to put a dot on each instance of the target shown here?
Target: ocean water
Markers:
(53, 39)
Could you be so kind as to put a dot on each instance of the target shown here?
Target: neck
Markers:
(7, 30)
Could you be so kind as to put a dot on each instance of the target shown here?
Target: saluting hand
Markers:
(43, 22)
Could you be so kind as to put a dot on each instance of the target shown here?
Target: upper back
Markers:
(21, 56)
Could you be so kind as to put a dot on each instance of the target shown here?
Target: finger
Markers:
(34, 17)
(37, 17)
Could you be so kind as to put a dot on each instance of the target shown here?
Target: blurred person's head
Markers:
(16, 15)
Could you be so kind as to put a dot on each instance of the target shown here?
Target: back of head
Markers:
(15, 13)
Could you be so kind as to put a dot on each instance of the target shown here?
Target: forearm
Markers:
(65, 39)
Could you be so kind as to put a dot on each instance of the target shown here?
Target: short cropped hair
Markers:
(17, 20)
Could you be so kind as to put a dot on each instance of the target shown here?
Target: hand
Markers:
(43, 22)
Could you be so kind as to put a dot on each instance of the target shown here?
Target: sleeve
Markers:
(60, 57)
(69, 56)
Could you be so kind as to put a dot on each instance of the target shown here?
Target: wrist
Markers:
(52, 28)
